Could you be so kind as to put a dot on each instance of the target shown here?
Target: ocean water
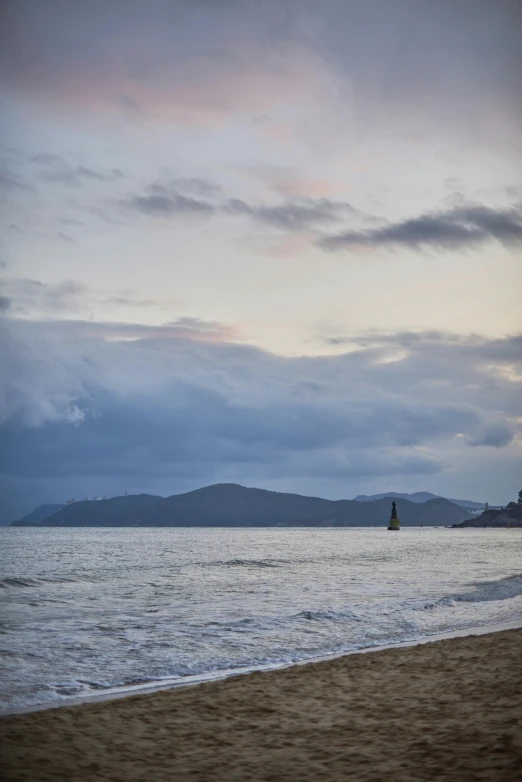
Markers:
(87, 610)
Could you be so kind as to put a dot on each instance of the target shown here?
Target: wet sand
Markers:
(449, 710)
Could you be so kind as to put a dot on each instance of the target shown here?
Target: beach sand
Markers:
(448, 710)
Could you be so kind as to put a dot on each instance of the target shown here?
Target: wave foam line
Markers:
(193, 680)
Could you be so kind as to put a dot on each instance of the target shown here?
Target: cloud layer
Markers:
(199, 62)
(25, 297)
(462, 227)
(178, 198)
(84, 398)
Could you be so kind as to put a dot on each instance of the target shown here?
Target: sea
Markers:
(85, 611)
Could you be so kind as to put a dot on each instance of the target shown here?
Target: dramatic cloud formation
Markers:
(459, 228)
(126, 400)
(176, 175)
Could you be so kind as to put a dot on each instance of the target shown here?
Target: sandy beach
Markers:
(448, 710)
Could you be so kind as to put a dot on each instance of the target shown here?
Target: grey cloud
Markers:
(134, 301)
(26, 294)
(182, 399)
(493, 436)
(458, 228)
(32, 298)
(181, 329)
(47, 159)
(294, 215)
(238, 206)
(484, 374)
(168, 205)
(10, 181)
(69, 221)
(171, 198)
(5, 303)
(504, 350)
(473, 347)
(74, 176)
(193, 186)
(58, 169)
(129, 105)
(514, 193)
(118, 443)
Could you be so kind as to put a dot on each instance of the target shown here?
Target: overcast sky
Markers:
(274, 242)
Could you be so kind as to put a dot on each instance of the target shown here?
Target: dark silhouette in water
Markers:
(394, 524)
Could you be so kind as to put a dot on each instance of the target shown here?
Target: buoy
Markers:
(395, 522)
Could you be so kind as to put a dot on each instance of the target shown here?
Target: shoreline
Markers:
(195, 680)
(448, 710)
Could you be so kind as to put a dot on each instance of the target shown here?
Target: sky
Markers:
(269, 242)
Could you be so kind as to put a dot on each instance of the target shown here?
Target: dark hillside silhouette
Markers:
(510, 516)
(231, 505)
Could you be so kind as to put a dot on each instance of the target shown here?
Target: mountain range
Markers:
(231, 505)
(419, 496)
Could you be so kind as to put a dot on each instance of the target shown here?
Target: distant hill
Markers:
(419, 496)
(230, 505)
(127, 511)
(38, 514)
(510, 516)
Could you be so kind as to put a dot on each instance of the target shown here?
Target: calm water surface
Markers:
(83, 610)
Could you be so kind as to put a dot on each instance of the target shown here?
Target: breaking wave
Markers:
(10, 583)
(503, 589)
(328, 616)
(483, 592)
(260, 563)
(19, 582)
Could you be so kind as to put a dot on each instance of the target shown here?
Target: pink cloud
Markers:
(191, 329)
(292, 183)
(312, 188)
(291, 245)
(154, 77)
(278, 131)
